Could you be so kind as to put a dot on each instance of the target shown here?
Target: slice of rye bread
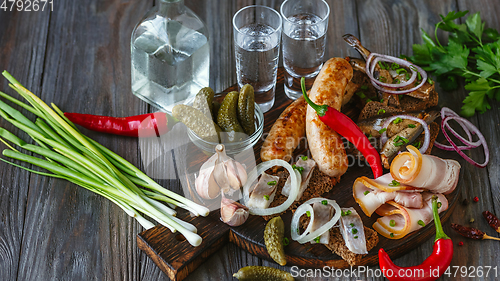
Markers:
(319, 184)
(337, 244)
(407, 104)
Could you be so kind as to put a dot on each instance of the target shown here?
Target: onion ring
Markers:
(469, 144)
(371, 63)
(308, 236)
(427, 134)
(259, 169)
(473, 129)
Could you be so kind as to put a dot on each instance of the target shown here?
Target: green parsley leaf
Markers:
(475, 25)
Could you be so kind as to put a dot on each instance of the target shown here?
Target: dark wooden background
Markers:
(78, 56)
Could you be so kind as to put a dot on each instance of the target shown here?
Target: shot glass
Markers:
(305, 23)
(257, 36)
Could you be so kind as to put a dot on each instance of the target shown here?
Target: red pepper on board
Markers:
(344, 126)
(432, 268)
(149, 125)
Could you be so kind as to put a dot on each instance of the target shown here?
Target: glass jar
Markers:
(170, 55)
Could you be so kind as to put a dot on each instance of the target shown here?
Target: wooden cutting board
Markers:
(177, 258)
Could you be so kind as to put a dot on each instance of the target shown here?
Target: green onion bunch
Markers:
(68, 154)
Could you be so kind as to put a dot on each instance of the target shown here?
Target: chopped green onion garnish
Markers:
(316, 239)
(266, 197)
(392, 223)
(381, 111)
(351, 224)
(308, 214)
(382, 65)
(369, 136)
(271, 183)
(417, 145)
(400, 70)
(392, 234)
(382, 79)
(324, 202)
(394, 66)
(345, 213)
(381, 100)
(356, 237)
(421, 223)
(439, 204)
(366, 192)
(381, 131)
(408, 75)
(298, 168)
(394, 183)
(354, 231)
(419, 76)
(395, 81)
(285, 241)
(412, 126)
(304, 158)
(429, 80)
(364, 87)
(397, 120)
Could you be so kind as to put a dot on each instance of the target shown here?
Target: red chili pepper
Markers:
(130, 126)
(433, 267)
(344, 126)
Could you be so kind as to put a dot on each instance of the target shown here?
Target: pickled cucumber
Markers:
(199, 123)
(215, 109)
(203, 101)
(227, 119)
(262, 273)
(273, 238)
(246, 109)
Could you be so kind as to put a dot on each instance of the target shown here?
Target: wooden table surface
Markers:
(78, 56)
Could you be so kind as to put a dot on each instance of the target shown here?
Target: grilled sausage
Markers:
(286, 132)
(325, 145)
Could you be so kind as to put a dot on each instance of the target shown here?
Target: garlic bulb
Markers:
(220, 172)
(232, 212)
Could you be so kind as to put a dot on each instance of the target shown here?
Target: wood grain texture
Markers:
(78, 57)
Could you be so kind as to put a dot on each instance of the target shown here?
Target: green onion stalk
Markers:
(72, 156)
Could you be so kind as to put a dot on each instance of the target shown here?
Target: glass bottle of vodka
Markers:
(170, 55)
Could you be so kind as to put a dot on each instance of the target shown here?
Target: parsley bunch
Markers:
(473, 53)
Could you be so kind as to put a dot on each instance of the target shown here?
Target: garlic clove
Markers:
(237, 176)
(232, 212)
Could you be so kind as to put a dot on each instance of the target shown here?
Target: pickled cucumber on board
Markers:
(262, 273)
(273, 238)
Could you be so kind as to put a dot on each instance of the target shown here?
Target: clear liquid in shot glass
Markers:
(303, 51)
(257, 58)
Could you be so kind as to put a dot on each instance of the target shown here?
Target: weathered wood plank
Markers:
(23, 44)
(71, 233)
